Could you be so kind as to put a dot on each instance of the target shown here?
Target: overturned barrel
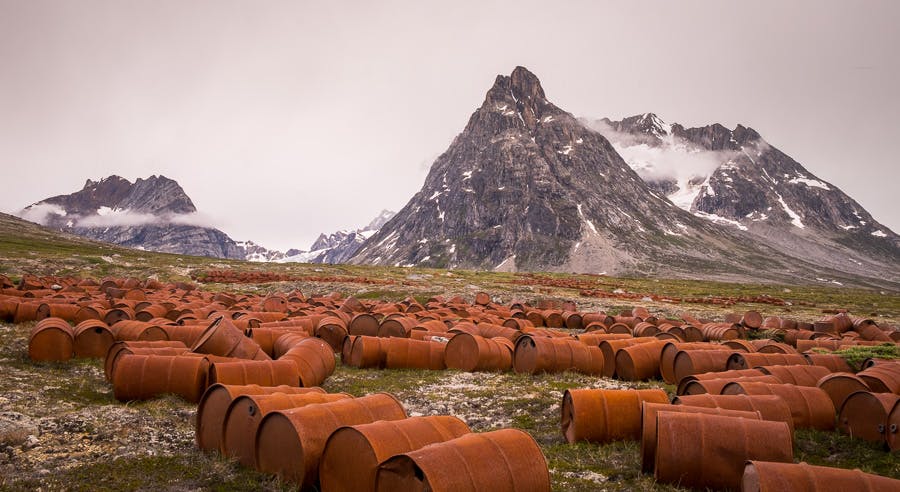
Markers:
(371, 444)
(699, 450)
(765, 476)
(507, 460)
(289, 443)
(598, 415)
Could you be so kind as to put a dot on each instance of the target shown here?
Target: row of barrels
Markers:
(335, 442)
(732, 441)
(140, 368)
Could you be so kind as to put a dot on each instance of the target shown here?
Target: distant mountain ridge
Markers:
(153, 214)
(340, 246)
(748, 184)
(527, 186)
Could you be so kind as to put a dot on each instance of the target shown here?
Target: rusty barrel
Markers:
(215, 402)
(51, 339)
(286, 341)
(751, 360)
(186, 334)
(142, 377)
(333, 330)
(733, 375)
(598, 415)
(243, 416)
(595, 338)
(314, 360)
(347, 348)
(609, 348)
(398, 327)
(864, 415)
(739, 345)
(535, 354)
(119, 349)
(715, 386)
(371, 444)
(222, 338)
(834, 363)
(639, 362)
(261, 372)
(363, 324)
(93, 339)
(709, 451)
(507, 460)
(720, 331)
(31, 311)
(671, 349)
(289, 443)
(648, 426)
(810, 406)
(265, 338)
(765, 476)
(644, 329)
(883, 377)
(369, 352)
(777, 348)
(892, 434)
(840, 385)
(690, 362)
(802, 375)
(405, 353)
(770, 407)
(475, 353)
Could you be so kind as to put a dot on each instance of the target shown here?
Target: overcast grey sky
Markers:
(286, 119)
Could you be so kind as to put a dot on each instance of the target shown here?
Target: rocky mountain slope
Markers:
(527, 186)
(340, 246)
(154, 214)
(736, 178)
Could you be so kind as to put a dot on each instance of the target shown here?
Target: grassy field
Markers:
(67, 431)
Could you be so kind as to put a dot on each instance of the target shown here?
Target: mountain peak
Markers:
(525, 85)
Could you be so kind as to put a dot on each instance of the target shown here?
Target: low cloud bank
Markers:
(50, 214)
(672, 159)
